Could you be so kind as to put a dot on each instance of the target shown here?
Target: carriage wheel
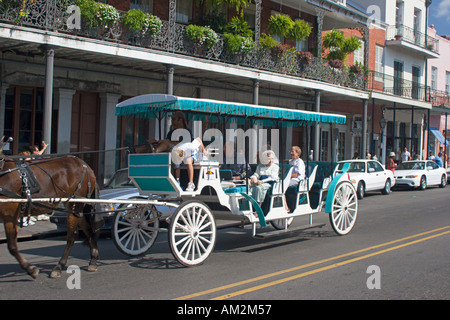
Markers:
(280, 224)
(135, 230)
(344, 208)
(192, 233)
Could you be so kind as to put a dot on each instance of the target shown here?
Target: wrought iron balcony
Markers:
(397, 86)
(440, 99)
(412, 36)
(53, 15)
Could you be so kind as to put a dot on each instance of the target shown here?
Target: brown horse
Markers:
(64, 177)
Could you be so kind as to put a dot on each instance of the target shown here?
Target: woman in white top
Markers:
(265, 173)
(298, 172)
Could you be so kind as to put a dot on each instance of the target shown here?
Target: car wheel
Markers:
(360, 190)
(443, 181)
(423, 183)
(387, 187)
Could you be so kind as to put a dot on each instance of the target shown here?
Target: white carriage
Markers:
(191, 217)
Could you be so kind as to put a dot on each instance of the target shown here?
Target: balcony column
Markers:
(364, 128)
(255, 91)
(48, 96)
(108, 135)
(316, 127)
(3, 88)
(172, 19)
(257, 22)
(63, 103)
(170, 70)
(320, 14)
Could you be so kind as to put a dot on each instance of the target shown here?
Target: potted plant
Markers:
(200, 35)
(237, 44)
(336, 64)
(138, 21)
(305, 58)
(107, 15)
(88, 11)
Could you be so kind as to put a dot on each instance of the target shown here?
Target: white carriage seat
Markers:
(306, 184)
(282, 184)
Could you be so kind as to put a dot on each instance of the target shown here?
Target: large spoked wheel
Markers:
(135, 230)
(192, 233)
(344, 208)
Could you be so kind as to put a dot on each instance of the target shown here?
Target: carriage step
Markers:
(265, 235)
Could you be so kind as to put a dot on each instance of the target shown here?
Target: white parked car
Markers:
(369, 175)
(420, 174)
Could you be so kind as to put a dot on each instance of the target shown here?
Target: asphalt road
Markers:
(398, 249)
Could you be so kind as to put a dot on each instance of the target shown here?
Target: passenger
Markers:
(235, 162)
(298, 171)
(178, 122)
(266, 173)
(187, 153)
(34, 150)
(391, 165)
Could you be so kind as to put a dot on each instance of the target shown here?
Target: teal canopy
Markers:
(150, 105)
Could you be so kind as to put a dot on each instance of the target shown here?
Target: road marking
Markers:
(270, 275)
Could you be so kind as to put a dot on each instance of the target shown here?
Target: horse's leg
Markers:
(72, 232)
(87, 224)
(11, 236)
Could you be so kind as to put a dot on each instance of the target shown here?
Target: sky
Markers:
(439, 15)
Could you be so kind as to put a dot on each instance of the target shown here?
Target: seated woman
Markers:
(298, 173)
(235, 162)
(265, 173)
(187, 153)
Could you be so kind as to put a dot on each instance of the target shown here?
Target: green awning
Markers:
(150, 105)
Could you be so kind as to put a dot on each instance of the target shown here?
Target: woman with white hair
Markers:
(391, 165)
(266, 173)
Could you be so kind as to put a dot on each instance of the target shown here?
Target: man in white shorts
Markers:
(187, 153)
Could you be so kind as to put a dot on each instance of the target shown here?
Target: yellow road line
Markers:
(232, 285)
(335, 265)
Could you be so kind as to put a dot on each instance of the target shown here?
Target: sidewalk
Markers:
(40, 229)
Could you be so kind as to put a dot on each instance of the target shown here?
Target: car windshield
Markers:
(119, 180)
(354, 166)
(411, 166)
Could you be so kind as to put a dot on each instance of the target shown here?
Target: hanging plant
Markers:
(280, 24)
(300, 30)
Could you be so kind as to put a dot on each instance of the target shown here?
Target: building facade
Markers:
(61, 75)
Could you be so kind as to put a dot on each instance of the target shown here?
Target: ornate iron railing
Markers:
(412, 36)
(61, 16)
(398, 86)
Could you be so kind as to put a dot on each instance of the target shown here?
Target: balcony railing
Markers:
(54, 15)
(440, 99)
(398, 86)
(412, 36)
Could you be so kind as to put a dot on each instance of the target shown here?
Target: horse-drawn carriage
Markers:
(192, 226)
(191, 215)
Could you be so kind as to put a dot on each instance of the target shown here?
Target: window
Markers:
(399, 17)
(379, 65)
(144, 5)
(359, 53)
(434, 72)
(447, 82)
(398, 78)
(184, 11)
(341, 146)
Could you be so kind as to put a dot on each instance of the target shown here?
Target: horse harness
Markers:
(30, 185)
